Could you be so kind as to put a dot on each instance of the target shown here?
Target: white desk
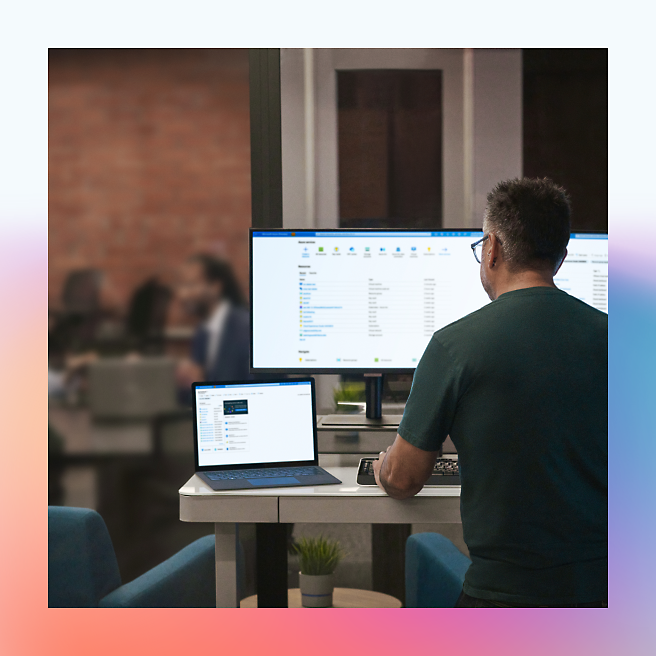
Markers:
(345, 503)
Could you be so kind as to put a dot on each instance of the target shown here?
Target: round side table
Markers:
(342, 598)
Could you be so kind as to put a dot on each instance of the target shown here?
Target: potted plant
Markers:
(318, 559)
(349, 397)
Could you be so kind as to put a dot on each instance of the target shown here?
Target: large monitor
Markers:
(335, 301)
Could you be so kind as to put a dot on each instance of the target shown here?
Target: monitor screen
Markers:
(584, 273)
(253, 423)
(348, 300)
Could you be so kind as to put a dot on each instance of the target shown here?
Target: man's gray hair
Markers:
(531, 217)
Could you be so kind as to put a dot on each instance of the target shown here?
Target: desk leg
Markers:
(271, 565)
(225, 559)
(388, 558)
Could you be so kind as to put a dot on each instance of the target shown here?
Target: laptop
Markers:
(254, 435)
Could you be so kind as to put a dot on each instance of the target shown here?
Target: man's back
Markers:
(521, 387)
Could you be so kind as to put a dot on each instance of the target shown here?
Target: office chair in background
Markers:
(434, 571)
(83, 572)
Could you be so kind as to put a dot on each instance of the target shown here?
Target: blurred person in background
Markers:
(209, 292)
(146, 317)
(84, 321)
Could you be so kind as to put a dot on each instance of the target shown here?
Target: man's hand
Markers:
(402, 470)
(377, 466)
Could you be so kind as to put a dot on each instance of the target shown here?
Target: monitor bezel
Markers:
(257, 465)
(344, 370)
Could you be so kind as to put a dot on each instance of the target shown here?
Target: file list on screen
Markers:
(373, 299)
(584, 273)
(254, 423)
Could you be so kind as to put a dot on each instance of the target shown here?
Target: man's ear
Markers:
(561, 263)
(494, 253)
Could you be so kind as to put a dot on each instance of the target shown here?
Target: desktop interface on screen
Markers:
(371, 300)
(236, 424)
(584, 273)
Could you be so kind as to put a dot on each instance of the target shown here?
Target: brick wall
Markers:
(149, 162)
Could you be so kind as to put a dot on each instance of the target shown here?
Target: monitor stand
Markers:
(373, 419)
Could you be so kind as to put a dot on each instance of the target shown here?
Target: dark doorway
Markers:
(390, 148)
(566, 126)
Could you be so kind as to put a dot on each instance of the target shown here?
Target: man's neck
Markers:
(524, 280)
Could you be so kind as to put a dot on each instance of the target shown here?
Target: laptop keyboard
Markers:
(238, 474)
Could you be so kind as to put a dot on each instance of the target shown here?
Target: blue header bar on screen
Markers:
(302, 382)
(369, 234)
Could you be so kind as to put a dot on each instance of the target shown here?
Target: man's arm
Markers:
(402, 470)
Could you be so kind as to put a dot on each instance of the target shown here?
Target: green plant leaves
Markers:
(318, 556)
(349, 392)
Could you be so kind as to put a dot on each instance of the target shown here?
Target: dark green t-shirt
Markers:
(521, 386)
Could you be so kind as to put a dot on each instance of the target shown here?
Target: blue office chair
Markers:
(83, 572)
(434, 571)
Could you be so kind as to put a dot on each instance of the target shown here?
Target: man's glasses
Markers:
(477, 248)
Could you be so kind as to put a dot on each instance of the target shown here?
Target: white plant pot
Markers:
(316, 591)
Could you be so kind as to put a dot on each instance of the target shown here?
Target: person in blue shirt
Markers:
(208, 291)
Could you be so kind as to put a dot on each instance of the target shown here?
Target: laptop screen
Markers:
(254, 423)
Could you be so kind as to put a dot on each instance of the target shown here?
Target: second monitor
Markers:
(369, 301)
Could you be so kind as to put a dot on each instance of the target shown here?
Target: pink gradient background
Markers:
(528, 632)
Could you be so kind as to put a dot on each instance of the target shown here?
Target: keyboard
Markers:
(445, 472)
(278, 472)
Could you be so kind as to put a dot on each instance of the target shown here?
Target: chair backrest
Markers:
(82, 566)
(434, 571)
(125, 389)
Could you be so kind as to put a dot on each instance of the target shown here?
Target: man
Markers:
(521, 387)
(208, 290)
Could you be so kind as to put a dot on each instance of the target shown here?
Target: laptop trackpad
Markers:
(282, 480)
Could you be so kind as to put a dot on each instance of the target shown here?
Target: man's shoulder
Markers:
(515, 310)
(472, 322)
(590, 313)
(462, 338)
